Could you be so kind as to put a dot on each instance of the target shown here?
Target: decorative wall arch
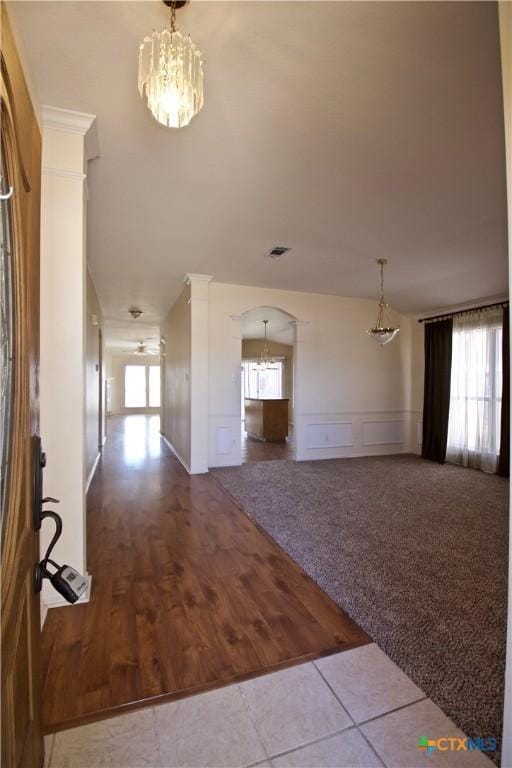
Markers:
(288, 334)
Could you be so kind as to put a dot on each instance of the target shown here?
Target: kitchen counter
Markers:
(267, 419)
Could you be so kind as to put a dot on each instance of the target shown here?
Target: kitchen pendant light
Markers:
(171, 74)
(266, 361)
(382, 332)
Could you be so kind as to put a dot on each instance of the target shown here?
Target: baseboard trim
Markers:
(175, 452)
(358, 455)
(93, 470)
(59, 601)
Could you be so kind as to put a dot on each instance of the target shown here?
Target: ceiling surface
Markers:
(123, 336)
(345, 130)
(278, 328)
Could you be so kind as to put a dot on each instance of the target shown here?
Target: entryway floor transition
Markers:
(188, 593)
(350, 710)
(415, 552)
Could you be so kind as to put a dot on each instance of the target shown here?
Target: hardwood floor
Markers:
(258, 450)
(187, 592)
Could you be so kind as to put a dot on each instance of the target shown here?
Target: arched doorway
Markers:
(267, 385)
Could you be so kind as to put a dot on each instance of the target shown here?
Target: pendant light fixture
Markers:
(383, 332)
(266, 361)
(171, 74)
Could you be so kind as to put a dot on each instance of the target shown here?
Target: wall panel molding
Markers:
(364, 433)
(383, 432)
(329, 434)
(224, 440)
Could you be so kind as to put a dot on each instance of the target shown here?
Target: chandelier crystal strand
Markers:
(265, 361)
(382, 332)
(171, 76)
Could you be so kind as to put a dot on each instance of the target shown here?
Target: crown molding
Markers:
(191, 278)
(454, 308)
(70, 121)
(67, 119)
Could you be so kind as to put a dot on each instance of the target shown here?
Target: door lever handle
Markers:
(50, 499)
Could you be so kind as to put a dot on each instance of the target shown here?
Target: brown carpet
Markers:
(414, 551)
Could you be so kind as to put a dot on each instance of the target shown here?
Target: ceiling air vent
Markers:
(277, 251)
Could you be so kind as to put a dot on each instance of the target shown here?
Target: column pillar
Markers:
(299, 327)
(69, 141)
(199, 352)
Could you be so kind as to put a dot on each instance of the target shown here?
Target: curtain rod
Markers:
(446, 315)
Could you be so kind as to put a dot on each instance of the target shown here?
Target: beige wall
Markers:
(417, 365)
(352, 397)
(93, 438)
(114, 369)
(417, 382)
(176, 411)
(253, 348)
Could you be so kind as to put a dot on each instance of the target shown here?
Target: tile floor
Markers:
(355, 709)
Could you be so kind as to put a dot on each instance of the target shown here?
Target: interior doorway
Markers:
(267, 385)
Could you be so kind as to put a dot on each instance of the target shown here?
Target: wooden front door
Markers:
(22, 740)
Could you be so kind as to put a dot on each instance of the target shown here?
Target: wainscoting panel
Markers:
(383, 432)
(342, 435)
(325, 435)
(224, 441)
(329, 435)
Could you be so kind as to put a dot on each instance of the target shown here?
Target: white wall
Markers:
(352, 397)
(63, 311)
(505, 15)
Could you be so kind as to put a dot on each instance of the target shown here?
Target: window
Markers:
(262, 382)
(142, 386)
(475, 395)
(135, 386)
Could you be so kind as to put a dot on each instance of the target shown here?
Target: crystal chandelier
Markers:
(171, 74)
(383, 333)
(266, 361)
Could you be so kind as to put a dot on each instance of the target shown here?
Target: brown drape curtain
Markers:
(436, 399)
(504, 457)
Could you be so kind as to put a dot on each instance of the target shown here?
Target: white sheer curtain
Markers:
(475, 396)
(262, 382)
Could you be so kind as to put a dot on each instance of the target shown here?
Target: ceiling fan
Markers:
(143, 349)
